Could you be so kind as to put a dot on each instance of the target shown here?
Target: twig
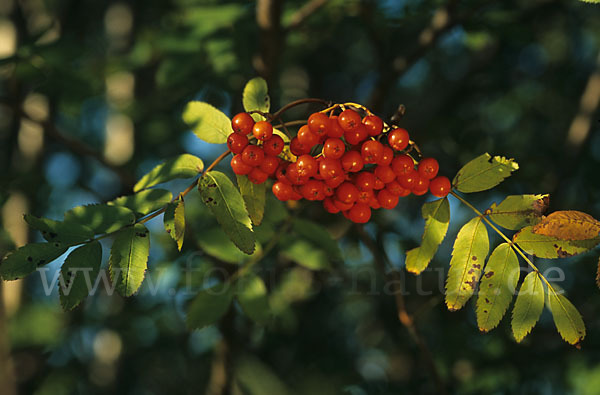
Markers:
(381, 260)
(300, 16)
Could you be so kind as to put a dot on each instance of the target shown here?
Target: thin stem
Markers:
(292, 123)
(499, 232)
(297, 103)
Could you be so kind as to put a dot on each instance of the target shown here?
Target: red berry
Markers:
(352, 162)
(298, 148)
(257, 176)
(428, 168)
(342, 206)
(403, 164)
(378, 184)
(318, 123)
(365, 196)
(236, 142)
(440, 186)
(281, 171)
(396, 189)
(270, 164)
(330, 168)
(385, 174)
(398, 139)
(335, 130)
(335, 182)
(360, 213)
(356, 135)
(334, 148)
(313, 190)
(273, 146)
(421, 185)
(293, 174)
(262, 130)
(307, 165)
(374, 124)
(408, 180)
(238, 166)
(349, 119)
(365, 181)
(282, 191)
(371, 151)
(253, 155)
(307, 137)
(387, 199)
(242, 123)
(346, 193)
(330, 207)
(386, 157)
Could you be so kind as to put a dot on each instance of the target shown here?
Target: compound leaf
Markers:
(79, 273)
(254, 198)
(129, 258)
(256, 97)
(101, 218)
(26, 259)
(528, 306)
(483, 173)
(183, 166)
(468, 255)
(567, 319)
(144, 202)
(568, 225)
(209, 124)
(174, 221)
(57, 231)
(549, 247)
(517, 211)
(437, 218)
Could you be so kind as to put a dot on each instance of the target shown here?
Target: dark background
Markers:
(91, 97)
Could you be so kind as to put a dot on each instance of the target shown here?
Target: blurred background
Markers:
(91, 96)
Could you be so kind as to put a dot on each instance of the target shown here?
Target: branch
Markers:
(268, 19)
(381, 260)
(300, 16)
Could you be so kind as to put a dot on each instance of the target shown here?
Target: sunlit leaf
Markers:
(209, 305)
(129, 258)
(550, 247)
(498, 286)
(79, 273)
(256, 97)
(174, 221)
(101, 218)
(144, 202)
(251, 293)
(528, 306)
(437, 218)
(518, 211)
(483, 172)
(468, 255)
(254, 198)
(58, 231)
(183, 166)
(567, 319)
(208, 123)
(568, 225)
(26, 259)
(225, 201)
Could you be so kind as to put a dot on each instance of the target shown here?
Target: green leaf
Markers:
(218, 245)
(549, 247)
(528, 307)
(518, 211)
(226, 203)
(57, 231)
(26, 259)
(483, 172)
(498, 286)
(129, 259)
(254, 197)
(305, 254)
(183, 166)
(252, 295)
(144, 202)
(209, 305)
(591, 1)
(256, 97)
(101, 218)
(174, 221)
(470, 250)
(567, 319)
(208, 123)
(79, 273)
(437, 218)
(318, 236)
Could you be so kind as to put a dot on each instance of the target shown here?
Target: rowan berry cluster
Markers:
(353, 164)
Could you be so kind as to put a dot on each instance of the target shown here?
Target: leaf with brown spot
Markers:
(463, 275)
(568, 225)
(548, 247)
(483, 173)
(517, 211)
(498, 286)
(567, 319)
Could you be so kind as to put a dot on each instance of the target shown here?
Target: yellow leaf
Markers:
(568, 225)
